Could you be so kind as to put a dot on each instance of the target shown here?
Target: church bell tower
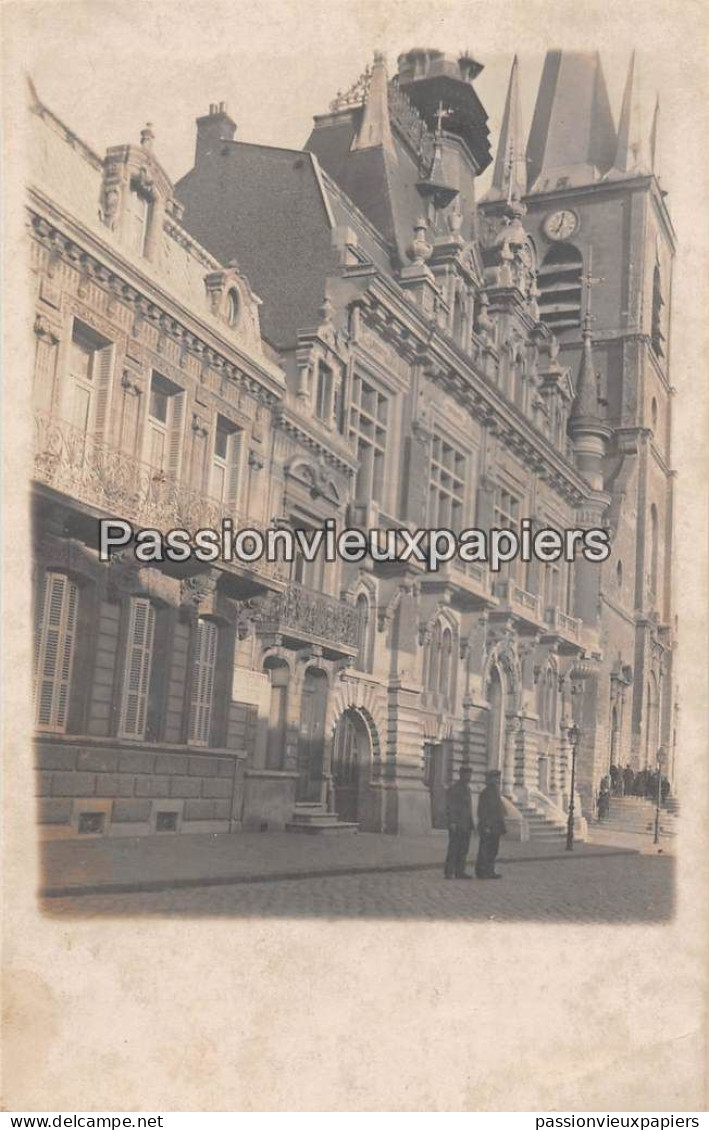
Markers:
(597, 213)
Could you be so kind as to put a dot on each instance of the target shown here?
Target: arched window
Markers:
(560, 282)
(654, 549)
(444, 676)
(363, 656)
(434, 658)
(232, 307)
(458, 318)
(546, 701)
(495, 729)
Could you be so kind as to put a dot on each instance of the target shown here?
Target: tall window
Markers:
(165, 425)
(226, 459)
(654, 550)
(202, 691)
(369, 412)
(656, 335)
(55, 633)
(89, 366)
(138, 216)
(547, 700)
(304, 572)
(439, 661)
(446, 664)
(136, 676)
(507, 518)
(551, 584)
(446, 492)
(323, 392)
(362, 607)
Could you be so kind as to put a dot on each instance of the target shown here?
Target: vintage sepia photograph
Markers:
(358, 392)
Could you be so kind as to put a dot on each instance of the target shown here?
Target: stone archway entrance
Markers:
(311, 737)
(351, 756)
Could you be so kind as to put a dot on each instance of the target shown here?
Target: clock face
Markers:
(560, 225)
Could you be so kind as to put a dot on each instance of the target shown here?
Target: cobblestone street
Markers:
(615, 888)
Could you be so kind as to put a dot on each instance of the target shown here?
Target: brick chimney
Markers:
(213, 128)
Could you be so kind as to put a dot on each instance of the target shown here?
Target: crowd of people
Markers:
(626, 782)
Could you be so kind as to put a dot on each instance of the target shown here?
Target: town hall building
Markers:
(347, 332)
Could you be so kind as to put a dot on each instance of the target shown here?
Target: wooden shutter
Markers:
(203, 682)
(136, 680)
(103, 368)
(174, 450)
(129, 425)
(54, 650)
(44, 374)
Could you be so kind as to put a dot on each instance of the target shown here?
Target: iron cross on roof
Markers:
(441, 113)
(590, 281)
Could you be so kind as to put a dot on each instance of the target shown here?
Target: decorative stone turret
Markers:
(588, 431)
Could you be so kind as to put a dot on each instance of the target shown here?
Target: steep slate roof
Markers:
(572, 138)
(267, 209)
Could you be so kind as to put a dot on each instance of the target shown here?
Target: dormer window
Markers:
(138, 216)
(323, 393)
(232, 307)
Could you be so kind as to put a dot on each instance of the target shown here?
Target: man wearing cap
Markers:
(491, 825)
(459, 814)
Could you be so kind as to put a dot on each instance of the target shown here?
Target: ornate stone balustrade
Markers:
(90, 471)
(518, 600)
(560, 622)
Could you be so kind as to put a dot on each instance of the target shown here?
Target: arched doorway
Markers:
(311, 738)
(350, 765)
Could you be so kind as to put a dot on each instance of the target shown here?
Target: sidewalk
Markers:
(642, 842)
(153, 863)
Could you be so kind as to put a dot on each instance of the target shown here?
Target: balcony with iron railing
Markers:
(300, 616)
(87, 470)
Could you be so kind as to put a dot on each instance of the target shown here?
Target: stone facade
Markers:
(406, 363)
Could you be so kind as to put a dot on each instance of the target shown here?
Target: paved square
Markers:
(615, 888)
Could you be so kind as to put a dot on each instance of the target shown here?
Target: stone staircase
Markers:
(542, 826)
(636, 814)
(313, 819)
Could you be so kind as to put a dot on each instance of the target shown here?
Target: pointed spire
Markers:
(632, 155)
(572, 140)
(654, 139)
(375, 130)
(509, 178)
(585, 406)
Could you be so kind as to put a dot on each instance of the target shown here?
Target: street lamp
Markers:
(574, 734)
(658, 797)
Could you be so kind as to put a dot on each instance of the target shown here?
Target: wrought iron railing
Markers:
(309, 613)
(89, 470)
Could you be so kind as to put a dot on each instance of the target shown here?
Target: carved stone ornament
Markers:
(44, 330)
(197, 590)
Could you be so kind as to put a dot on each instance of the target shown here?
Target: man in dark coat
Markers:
(491, 825)
(459, 815)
